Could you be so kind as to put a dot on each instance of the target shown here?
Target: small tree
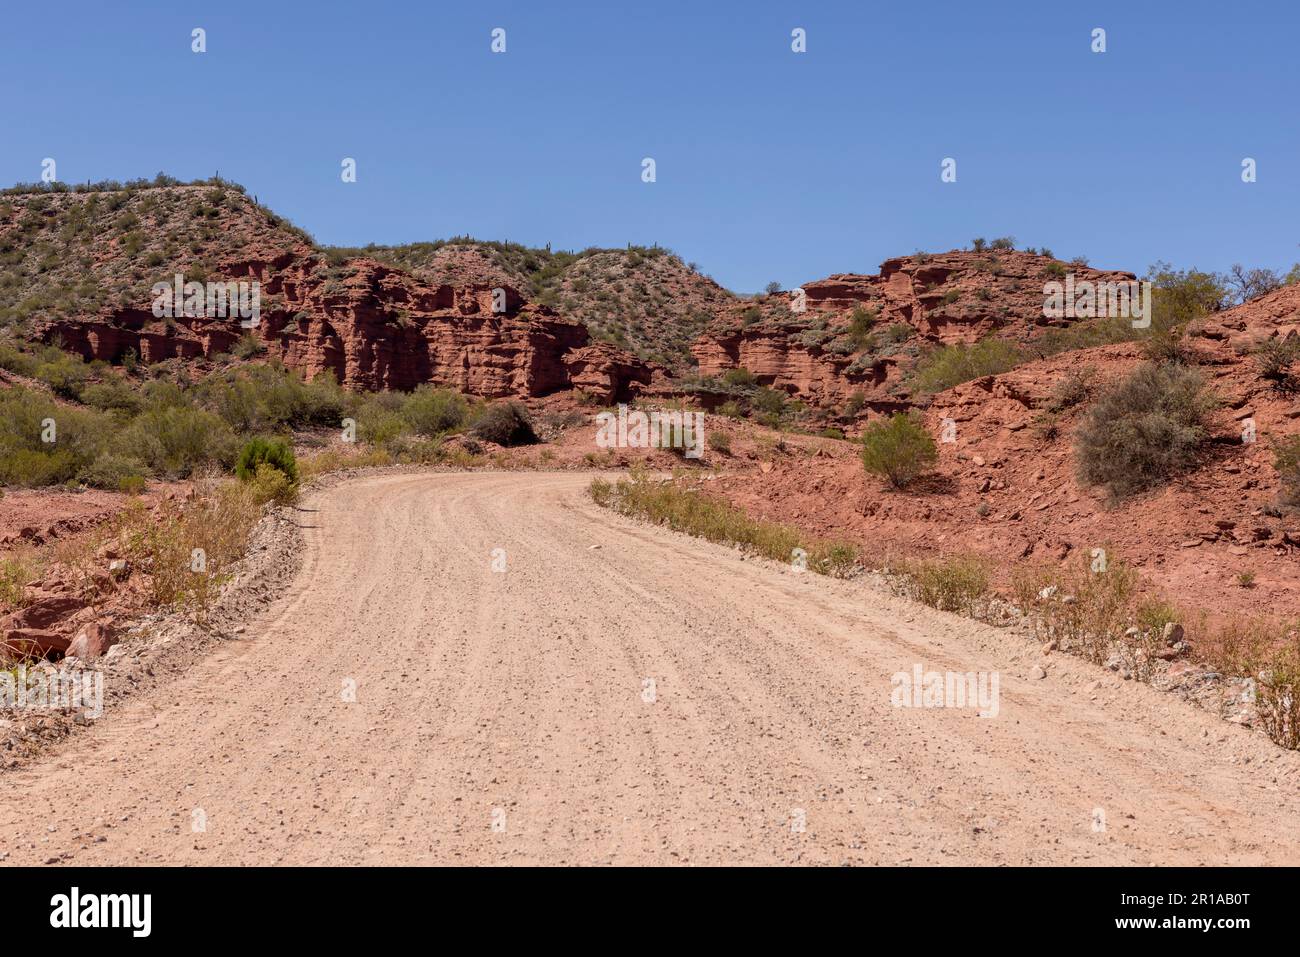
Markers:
(1248, 284)
(772, 288)
(900, 449)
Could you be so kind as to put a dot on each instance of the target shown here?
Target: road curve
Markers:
(621, 694)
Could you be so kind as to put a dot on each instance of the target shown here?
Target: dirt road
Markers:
(621, 694)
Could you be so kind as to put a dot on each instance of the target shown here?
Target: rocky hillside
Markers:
(860, 336)
(79, 269)
(1007, 487)
(642, 299)
(74, 254)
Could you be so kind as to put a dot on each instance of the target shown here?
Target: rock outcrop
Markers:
(374, 327)
(924, 299)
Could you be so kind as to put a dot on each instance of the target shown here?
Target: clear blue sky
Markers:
(771, 165)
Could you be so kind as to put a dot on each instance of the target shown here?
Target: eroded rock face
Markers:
(609, 372)
(915, 300)
(376, 328)
(776, 359)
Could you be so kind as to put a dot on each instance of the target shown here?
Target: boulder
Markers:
(23, 643)
(43, 612)
(93, 640)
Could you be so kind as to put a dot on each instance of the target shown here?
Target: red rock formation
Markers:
(611, 373)
(944, 298)
(1007, 486)
(376, 328)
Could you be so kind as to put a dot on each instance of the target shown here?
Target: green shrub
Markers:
(948, 366)
(505, 423)
(270, 483)
(32, 469)
(769, 401)
(739, 378)
(175, 440)
(431, 412)
(1183, 295)
(248, 347)
(113, 472)
(26, 459)
(379, 426)
(114, 394)
(896, 333)
(953, 584)
(263, 398)
(861, 321)
(1143, 431)
(273, 452)
(719, 442)
(65, 374)
(1275, 358)
(900, 449)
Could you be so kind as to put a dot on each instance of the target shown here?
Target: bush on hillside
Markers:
(739, 378)
(1275, 358)
(1286, 459)
(176, 440)
(948, 366)
(431, 412)
(1143, 431)
(899, 449)
(505, 423)
(114, 472)
(860, 322)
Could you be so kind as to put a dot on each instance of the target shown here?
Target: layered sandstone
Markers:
(956, 297)
(374, 328)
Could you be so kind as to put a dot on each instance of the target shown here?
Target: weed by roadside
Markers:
(687, 510)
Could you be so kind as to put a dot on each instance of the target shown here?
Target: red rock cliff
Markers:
(375, 327)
